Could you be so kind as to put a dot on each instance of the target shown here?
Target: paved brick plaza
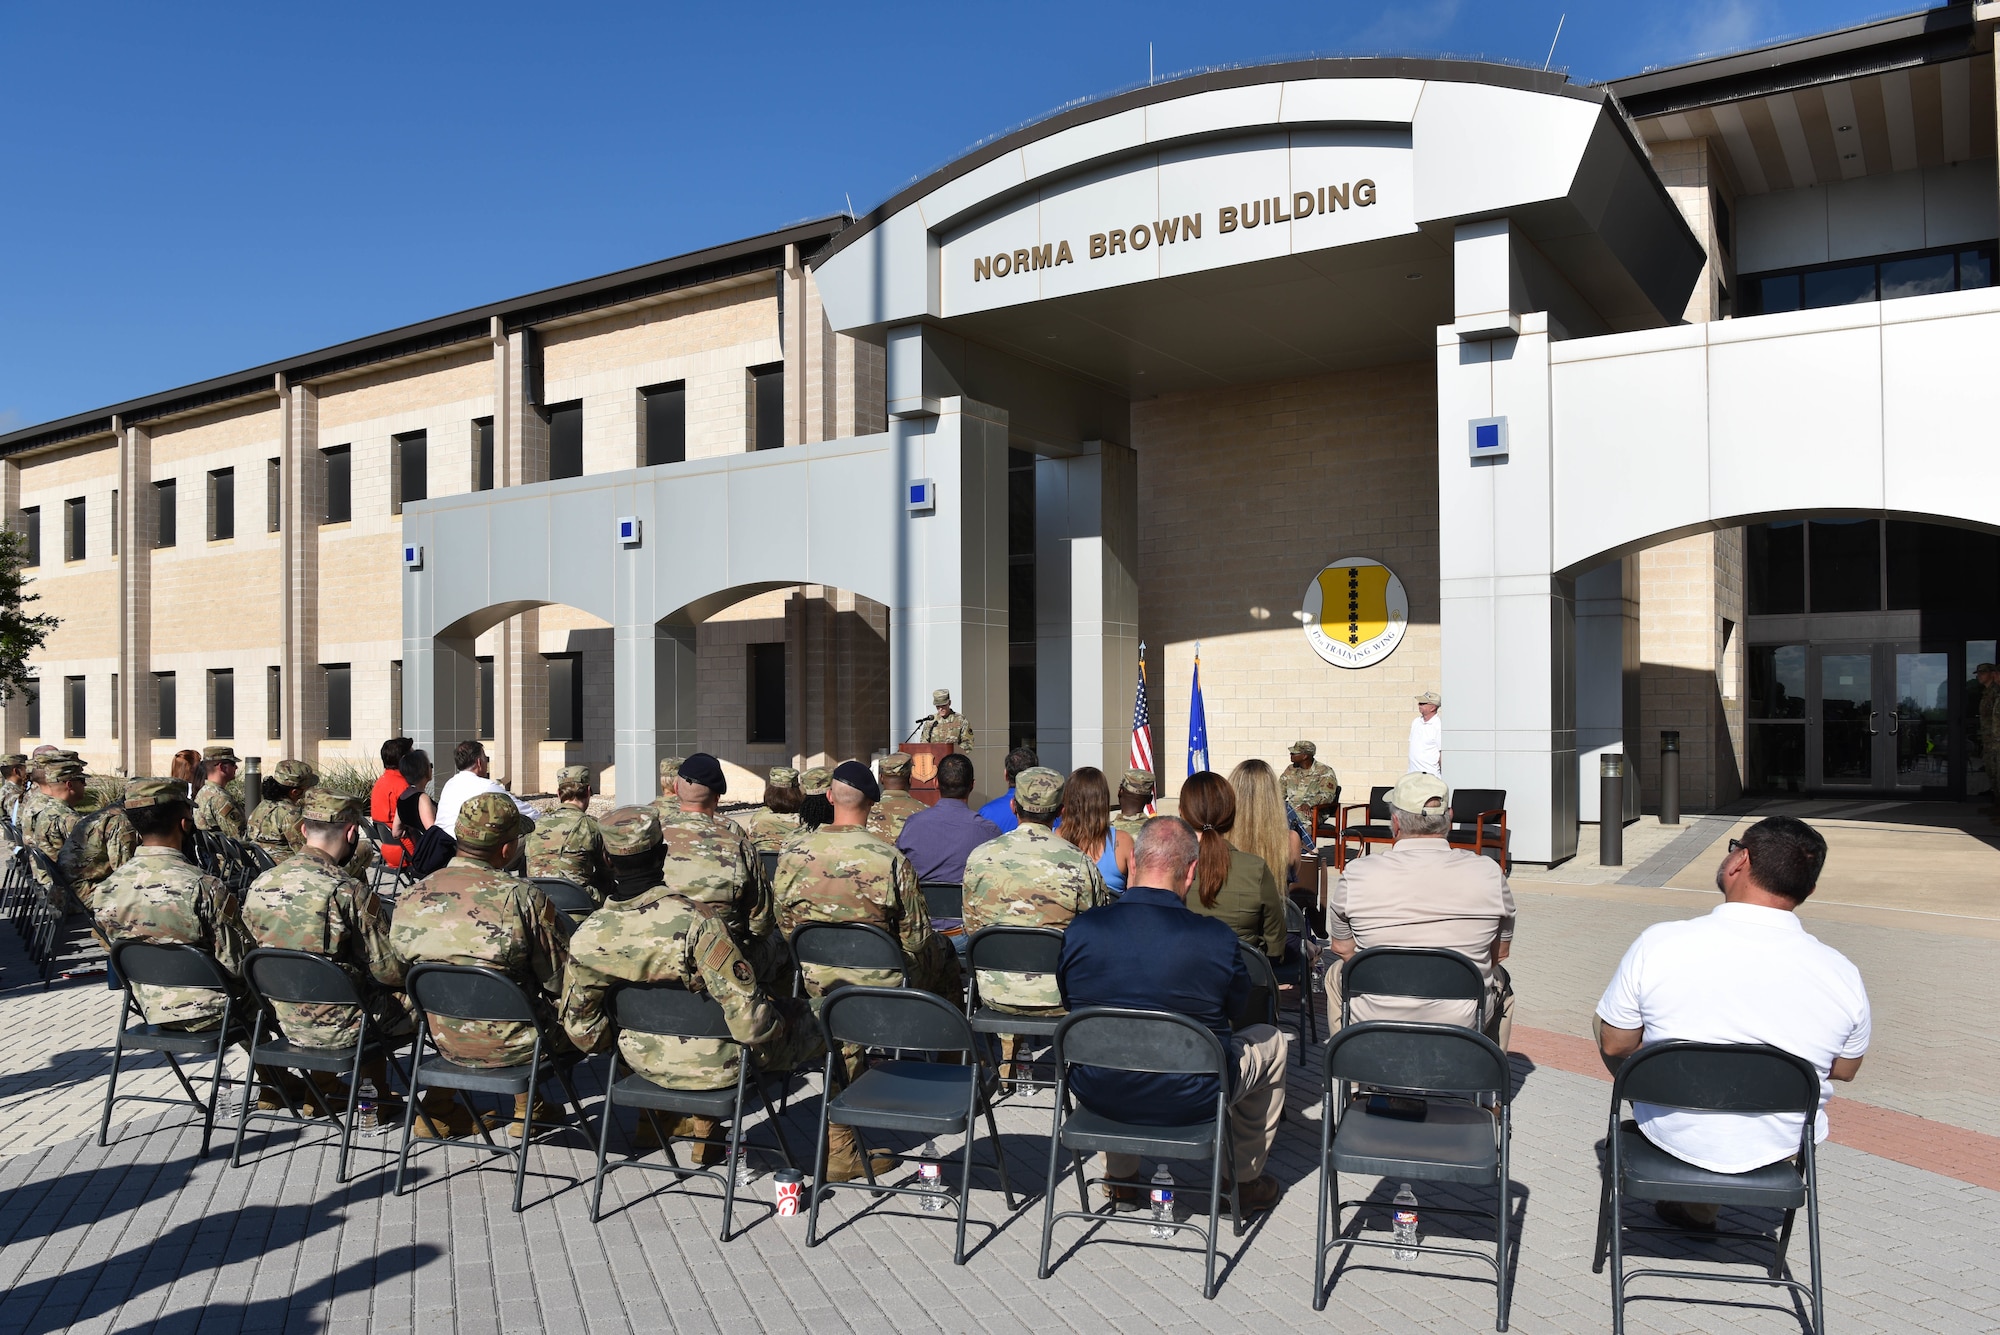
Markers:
(141, 1236)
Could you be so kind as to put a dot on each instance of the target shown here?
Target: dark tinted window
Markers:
(768, 406)
(75, 547)
(767, 692)
(1846, 565)
(222, 506)
(339, 484)
(31, 533)
(339, 701)
(75, 720)
(1776, 568)
(1975, 269)
(566, 440)
(166, 724)
(1780, 293)
(1778, 681)
(666, 423)
(32, 698)
(482, 444)
(1919, 276)
(1840, 287)
(413, 476)
(565, 698)
(222, 703)
(486, 699)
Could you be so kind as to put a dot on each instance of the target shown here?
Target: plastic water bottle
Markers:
(1163, 1202)
(1405, 1224)
(930, 1180)
(742, 1171)
(365, 1116)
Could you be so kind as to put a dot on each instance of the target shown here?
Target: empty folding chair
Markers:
(1747, 1078)
(1020, 950)
(159, 964)
(1373, 829)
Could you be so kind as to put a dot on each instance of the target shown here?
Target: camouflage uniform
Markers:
(470, 913)
(274, 827)
(887, 816)
(49, 823)
(307, 903)
(1029, 877)
(711, 861)
(768, 829)
(217, 812)
(1140, 783)
(1314, 785)
(1989, 723)
(160, 896)
(101, 843)
(950, 726)
(566, 843)
(12, 790)
(847, 874)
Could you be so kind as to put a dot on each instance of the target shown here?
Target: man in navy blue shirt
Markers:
(1001, 809)
(937, 839)
(1148, 951)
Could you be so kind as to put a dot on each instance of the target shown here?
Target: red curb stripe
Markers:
(1936, 1147)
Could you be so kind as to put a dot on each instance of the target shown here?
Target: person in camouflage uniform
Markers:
(711, 861)
(160, 896)
(947, 724)
(52, 815)
(634, 873)
(274, 825)
(1029, 877)
(101, 843)
(778, 819)
(566, 843)
(13, 782)
(1306, 782)
(670, 769)
(1135, 794)
(1987, 711)
(214, 809)
(897, 805)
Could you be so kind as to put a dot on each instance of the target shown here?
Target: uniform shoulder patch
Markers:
(741, 970)
(720, 948)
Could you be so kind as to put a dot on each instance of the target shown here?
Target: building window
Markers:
(75, 722)
(482, 450)
(766, 693)
(664, 421)
(31, 535)
(221, 504)
(163, 495)
(74, 546)
(767, 406)
(338, 460)
(31, 698)
(566, 439)
(221, 702)
(565, 697)
(1884, 278)
(396, 698)
(274, 495)
(339, 701)
(117, 517)
(486, 698)
(274, 703)
(164, 724)
(408, 469)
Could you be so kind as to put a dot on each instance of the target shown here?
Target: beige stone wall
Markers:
(1688, 589)
(1695, 179)
(1244, 495)
(84, 593)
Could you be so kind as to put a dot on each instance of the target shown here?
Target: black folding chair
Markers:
(943, 899)
(670, 1010)
(1747, 1078)
(770, 861)
(1157, 1042)
(1424, 972)
(1261, 1006)
(1457, 1139)
(1012, 950)
(296, 977)
(161, 964)
(1302, 976)
(466, 992)
(926, 1099)
(846, 945)
(570, 899)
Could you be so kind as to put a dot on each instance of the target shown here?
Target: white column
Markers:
(1607, 680)
(1508, 619)
(654, 704)
(1086, 605)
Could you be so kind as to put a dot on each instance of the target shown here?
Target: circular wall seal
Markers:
(1355, 612)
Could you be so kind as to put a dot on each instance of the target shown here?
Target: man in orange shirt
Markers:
(382, 797)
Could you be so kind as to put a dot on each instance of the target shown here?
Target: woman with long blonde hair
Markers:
(1261, 824)
(1086, 822)
(1234, 885)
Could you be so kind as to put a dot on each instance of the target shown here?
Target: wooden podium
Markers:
(924, 757)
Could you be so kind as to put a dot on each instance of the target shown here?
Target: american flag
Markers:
(1142, 728)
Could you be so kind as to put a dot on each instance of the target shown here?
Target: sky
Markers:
(191, 189)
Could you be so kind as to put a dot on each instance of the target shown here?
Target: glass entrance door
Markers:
(1918, 717)
(1847, 716)
(1882, 716)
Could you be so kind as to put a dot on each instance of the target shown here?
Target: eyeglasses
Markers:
(1737, 846)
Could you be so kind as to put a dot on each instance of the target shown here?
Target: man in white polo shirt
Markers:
(1427, 736)
(473, 778)
(1746, 973)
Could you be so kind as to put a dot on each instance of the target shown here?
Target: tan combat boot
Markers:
(546, 1115)
(439, 1109)
(843, 1156)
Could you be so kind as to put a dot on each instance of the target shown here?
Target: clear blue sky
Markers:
(198, 188)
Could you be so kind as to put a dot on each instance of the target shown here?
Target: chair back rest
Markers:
(46, 867)
(670, 1009)
(379, 832)
(260, 857)
(1467, 803)
(167, 964)
(1378, 806)
(1015, 949)
(468, 992)
(1261, 1007)
(566, 895)
(1719, 1077)
(1119, 1038)
(847, 945)
(770, 861)
(1430, 973)
(944, 899)
(1295, 919)
(894, 1017)
(296, 975)
(1418, 1058)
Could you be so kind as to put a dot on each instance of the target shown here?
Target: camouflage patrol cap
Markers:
(670, 768)
(896, 763)
(211, 755)
(1136, 781)
(816, 780)
(573, 776)
(331, 808)
(12, 760)
(1039, 790)
(487, 821)
(940, 697)
(629, 831)
(1305, 748)
(1983, 667)
(294, 774)
(142, 794)
(782, 776)
(47, 749)
(61, 769)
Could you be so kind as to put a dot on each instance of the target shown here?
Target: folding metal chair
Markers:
(466, 992)
(1012, 950)
(382, 836)
(163, 964)
(846, 945)
(1457, 1140)
(570, 899)
(943, 899)
(296, 977)
(1302, 976)
(770, 861)
(1261, 1007)
(1748, 1078)
(670, 1010)
(1424, 972)
(927, 1099)
(1156, 1042)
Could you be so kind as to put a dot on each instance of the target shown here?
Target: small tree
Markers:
(21, 631)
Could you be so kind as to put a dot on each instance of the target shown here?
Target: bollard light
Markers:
(1611, 809)
(1670, 777)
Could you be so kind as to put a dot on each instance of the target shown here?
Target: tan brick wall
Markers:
(1694, 178)
(1244, 495)
(1687, 588)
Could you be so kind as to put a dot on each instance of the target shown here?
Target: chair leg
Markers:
(111, 1088)
(1617, 1200)
(1812, 1242)
(353, 1101)
(1215, 1201)
(1329, 1183)
(774, 1117)
(743, 1064)
(1049, 1190)
(1605, 1223)
(965, 1175)
(582, 1114)
(610, 1114)
(1500, 1231)
(999, 1157)
(527, 1124)
(243, 1116)
(410, 1102)
(215, 1083)
(819, 1154)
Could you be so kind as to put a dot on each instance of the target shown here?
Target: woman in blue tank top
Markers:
(1086, 822)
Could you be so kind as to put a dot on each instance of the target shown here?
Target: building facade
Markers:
(1661, 403)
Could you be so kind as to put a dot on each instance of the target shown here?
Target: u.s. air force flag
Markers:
(1197, 722)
